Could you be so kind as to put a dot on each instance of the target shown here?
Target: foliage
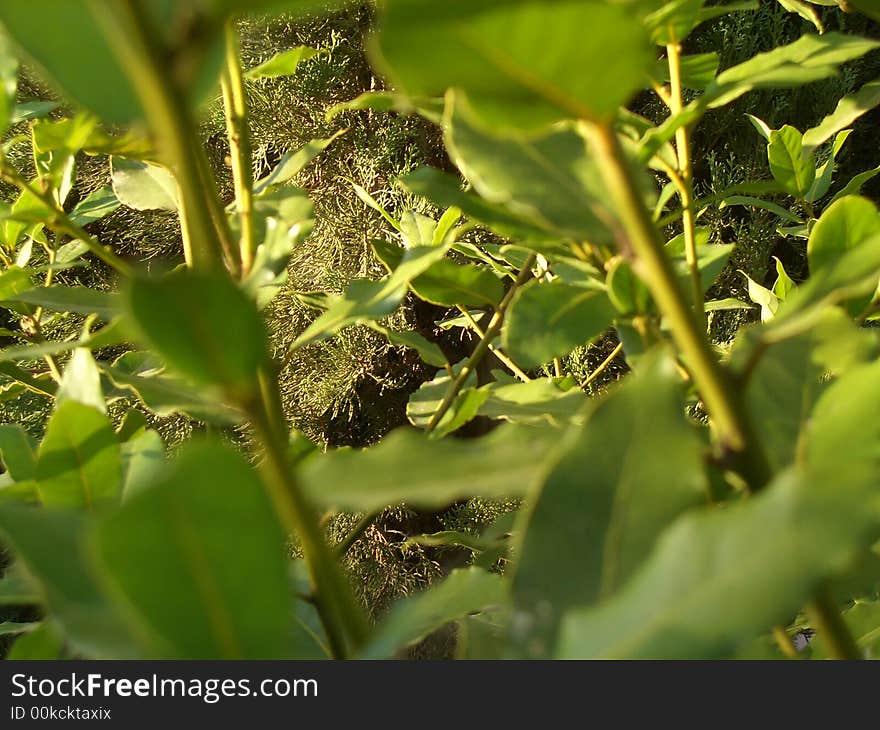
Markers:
(693, 509)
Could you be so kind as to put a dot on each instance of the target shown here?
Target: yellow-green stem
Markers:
(130, 33)
(238, 133)
(60, 222)
(685, 183)
(722, 398)
(482, 347)
(342, 618)
(497, 352)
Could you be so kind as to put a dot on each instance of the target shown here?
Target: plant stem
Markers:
(783, 641)
(722, 399)
(603, 365)
(236, 108)
(342, 618)
(363, 524)
(482, 346)
(129, 32)
(510, 364)
(729, 416)
(686, 184)
(60, 222)
(830, 627)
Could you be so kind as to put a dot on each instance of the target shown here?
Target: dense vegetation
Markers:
(314, 316)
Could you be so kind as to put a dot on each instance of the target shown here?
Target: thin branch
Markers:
(482, 347)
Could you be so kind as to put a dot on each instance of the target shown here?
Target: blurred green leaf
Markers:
(18, 451)
(218, 338)
(506, 463)
(633, 468)
(464, 592)
(8, 82)
(496, 53)
(50, 545)
(201, 594)
(81, 381)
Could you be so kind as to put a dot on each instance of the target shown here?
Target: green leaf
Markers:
(363, 300)
(465, 591)
(790, 376)
(78, 299)
(784, 285)
(426, 401)
(863, 622)
(844, 225)
(633, 468)
(825, 173)
(538, 402)
(95, 206)
(429, 351)
(138, 373)
(792, 166)
(854, 186)
(50, 545)
(14, 281)
(550, 320)
(293, 163)
(65, 30)
(143, 185)
(625, 290)
(449, 284)
(550, 179)
(284, 219)
(16, 589)
(444, 190)
(78, 464)
(506, 463)
(200, 595)
(284, 63)
(496, 53)
(218, 338)
(852, 278)
(369, 300)
(847, 111)
(807, 11)
(143, 458)
(763, 297)
(810, 58)
(18, 451)
(755, 563)
(81, 381)
(697, 71)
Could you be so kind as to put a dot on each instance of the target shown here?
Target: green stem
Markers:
(716, 387)
(129, 32)
(500, 354)
(357, 531)
(722, 399)
(482, 347)
(342, 618)
(60, 222)
(685, 184)
(603, 365)
(238, 133)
